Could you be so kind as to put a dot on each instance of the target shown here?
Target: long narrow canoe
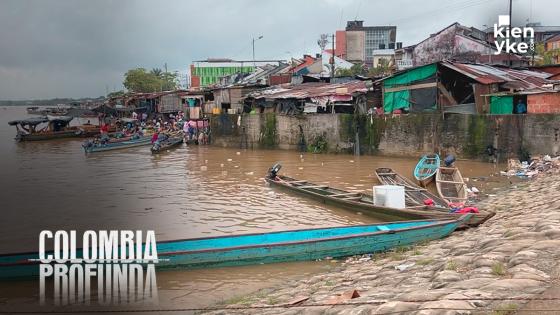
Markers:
(450, 185)
(426, 169)
(414, 194)
(98, 147)
(261, 248)
(361, 202)
(166, 144)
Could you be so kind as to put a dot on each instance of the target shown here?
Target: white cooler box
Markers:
(391, 196)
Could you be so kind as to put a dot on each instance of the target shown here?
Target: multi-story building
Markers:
(209, 71)
(359, 43)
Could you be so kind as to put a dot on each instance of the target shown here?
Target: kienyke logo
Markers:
(517, 40)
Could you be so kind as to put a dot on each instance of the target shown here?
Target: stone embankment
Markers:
(492, 269)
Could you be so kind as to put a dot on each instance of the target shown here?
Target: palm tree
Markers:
(157, 72)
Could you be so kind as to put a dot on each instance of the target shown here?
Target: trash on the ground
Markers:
(530, 169)
(403, 267)
(348, 295)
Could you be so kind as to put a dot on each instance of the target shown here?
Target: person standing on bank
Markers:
(521, 107)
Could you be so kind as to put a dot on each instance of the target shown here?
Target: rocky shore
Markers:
(492, 269)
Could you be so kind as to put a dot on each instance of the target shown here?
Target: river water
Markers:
(192, 191)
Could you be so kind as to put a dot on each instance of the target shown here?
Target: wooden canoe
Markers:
(426, 169)
(414, 194)
(364, 203)
(272, 247)
(166, 144)
(450, 185)
(90, 147)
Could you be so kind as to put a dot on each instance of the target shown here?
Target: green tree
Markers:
(545, 57)
(157, 72)
(115, 94)
(140, 81)
(382, 68)
(356, 69)
(169, 81)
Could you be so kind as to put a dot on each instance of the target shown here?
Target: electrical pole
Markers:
(254, 63)
(510, 18)
(332, 58)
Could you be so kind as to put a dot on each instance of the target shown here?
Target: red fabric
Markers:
(468, 210)
(428, 202)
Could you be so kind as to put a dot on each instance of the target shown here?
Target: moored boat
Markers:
(27, 129)
(450, 185)
(162, 146)
(357, 201)
(101, 146)
(426, 169)
(414, 194)
(34, 110)
(272, 247)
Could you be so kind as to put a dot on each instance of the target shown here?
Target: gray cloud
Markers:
(76, 48)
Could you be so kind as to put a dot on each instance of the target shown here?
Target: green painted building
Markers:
(208, 72)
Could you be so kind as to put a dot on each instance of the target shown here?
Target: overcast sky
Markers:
(81, 48)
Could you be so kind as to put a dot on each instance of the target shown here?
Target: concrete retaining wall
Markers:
(467, 136)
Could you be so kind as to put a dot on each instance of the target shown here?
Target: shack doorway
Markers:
(519, 104)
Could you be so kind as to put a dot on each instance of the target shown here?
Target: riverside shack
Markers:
(467, 88)
(312, 97)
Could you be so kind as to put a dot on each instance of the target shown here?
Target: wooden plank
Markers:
(450, 182)
(352, 198)
(298, 182)
(345, 194)
(412, 87)
(313, 186)
(446, 93)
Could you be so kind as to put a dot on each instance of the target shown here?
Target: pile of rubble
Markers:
(540, 165)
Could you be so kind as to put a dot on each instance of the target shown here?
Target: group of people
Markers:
(192, 131)
(163, 125)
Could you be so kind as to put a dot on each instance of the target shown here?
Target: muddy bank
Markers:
(512, 256)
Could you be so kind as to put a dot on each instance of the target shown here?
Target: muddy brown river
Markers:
(192, 191)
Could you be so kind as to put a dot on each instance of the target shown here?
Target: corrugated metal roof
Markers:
(312, 89)
(513, 78)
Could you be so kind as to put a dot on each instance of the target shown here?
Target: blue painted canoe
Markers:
(426, 169)
(90, 147)
(284, 246)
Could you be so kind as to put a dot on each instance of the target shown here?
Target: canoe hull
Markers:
(118, 145)
(366, 206)
(450, 185)
(170, 143)
(48, 135)
(383, 213)
(283, 246)
(426, 169)
(286, 252)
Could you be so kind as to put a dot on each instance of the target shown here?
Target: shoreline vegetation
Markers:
(493, 269)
